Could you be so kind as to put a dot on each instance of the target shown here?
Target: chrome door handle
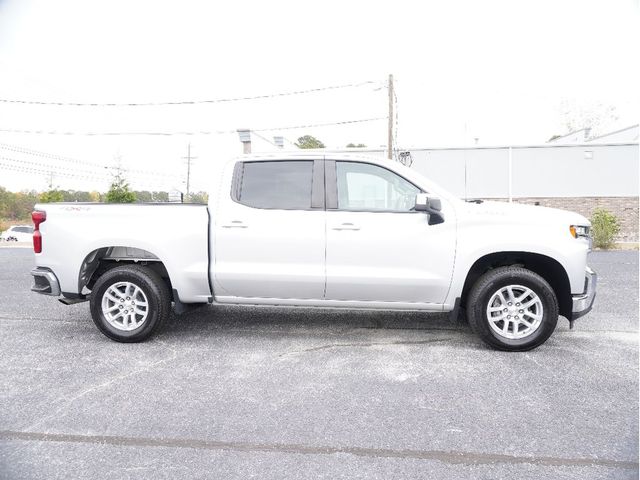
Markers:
(347, 226)
(235, 224)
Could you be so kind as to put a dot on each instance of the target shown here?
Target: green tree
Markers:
(18, 205)
(4, 202)
(353, 145)
(160, 196)
(51, 196)
(119, 191)
(307, 141)
(76, 196)
(143, 196)
(199, 197)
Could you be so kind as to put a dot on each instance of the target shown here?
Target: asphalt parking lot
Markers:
(271, 393)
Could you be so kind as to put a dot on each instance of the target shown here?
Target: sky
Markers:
(501, 72)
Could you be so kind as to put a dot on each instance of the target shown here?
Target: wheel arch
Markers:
(548, 268)
(101, 260)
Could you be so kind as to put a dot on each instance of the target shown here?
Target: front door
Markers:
(378, 248)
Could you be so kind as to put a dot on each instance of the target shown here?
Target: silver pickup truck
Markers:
(320, 230)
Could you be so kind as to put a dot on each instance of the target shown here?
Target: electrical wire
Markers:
(190, 102)
(36, 153)
(203, 132)
(263, 138)
(290, 142)
(53, 167)
(102, 174)
(316, 125)
(95, 134)
(41, 171)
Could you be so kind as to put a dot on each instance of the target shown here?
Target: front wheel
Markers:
(129, 303)
(512, 308)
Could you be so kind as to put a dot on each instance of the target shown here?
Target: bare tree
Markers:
(596, 116)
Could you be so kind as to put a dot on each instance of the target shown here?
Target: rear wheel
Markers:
(512, 308)
(129, 303)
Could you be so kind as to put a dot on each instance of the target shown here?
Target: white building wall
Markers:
(586, 170)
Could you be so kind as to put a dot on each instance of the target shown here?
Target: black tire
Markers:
(490, 283)
(153, 287)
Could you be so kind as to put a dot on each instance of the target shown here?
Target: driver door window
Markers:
(364, 187)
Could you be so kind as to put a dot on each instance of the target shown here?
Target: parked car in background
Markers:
(18, 233)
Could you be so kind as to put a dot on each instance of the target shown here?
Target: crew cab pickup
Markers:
(320, 230)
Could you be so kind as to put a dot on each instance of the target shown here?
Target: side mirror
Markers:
(425, 203)
(430, 205)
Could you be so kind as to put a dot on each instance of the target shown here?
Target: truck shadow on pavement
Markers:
(315, 322)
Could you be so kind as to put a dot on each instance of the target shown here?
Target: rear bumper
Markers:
(583, 303)
(45, 282)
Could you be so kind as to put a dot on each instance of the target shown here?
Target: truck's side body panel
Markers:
(175, 234)
(493, 227)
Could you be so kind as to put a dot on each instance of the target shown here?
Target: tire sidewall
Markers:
(107, 280)
(549, 316)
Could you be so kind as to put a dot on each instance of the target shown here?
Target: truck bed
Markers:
(174, 234)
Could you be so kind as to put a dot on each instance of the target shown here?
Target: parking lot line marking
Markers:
(455, 457)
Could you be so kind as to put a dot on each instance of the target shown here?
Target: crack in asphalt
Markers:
(451, 457)
(368, 344)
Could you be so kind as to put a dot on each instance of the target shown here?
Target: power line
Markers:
(345, 122)
(263, 138)
(55, 167)
(69, 171)
(95, 134)
(178, 133)
(29, 169)
(190, 102)
(43, 171)
(37, 153)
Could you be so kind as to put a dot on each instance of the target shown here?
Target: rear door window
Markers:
(284, 185)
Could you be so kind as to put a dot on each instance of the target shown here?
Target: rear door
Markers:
(270, 232)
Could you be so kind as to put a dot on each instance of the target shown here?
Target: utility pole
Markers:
(188, 158)
(390, 139)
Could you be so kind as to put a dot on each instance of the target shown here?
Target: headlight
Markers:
(579, 231)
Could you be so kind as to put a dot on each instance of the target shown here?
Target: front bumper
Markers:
(583, 303)
(45, 282)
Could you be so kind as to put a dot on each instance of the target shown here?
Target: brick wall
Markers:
(624, 208)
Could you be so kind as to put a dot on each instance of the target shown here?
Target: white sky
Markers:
(496, 70)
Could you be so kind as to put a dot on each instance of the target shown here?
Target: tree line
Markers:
(19, 205)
